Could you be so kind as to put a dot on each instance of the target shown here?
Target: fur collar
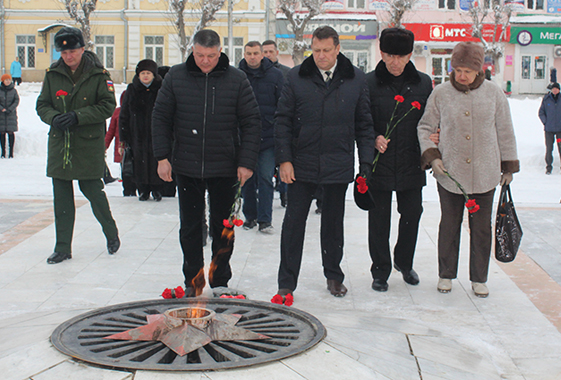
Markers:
(344, 67)
(479, 79)
(223, 64)
(410, 72)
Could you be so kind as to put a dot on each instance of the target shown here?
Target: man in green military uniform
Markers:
(76, 99)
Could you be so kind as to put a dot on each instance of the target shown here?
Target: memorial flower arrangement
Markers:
(66, 156)
(288, 300)
(471, 205)
(233, 219)
(173, 293)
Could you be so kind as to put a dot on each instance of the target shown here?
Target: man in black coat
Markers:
(206, 125)
(266, 81)
(271, 51)
(324, 108)
(398, 168)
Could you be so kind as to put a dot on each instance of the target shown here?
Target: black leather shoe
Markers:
(380, 285)
(157, 196)
(113, 245)
(411, 277)
(57, 257)
(336, 288)
(144, 197)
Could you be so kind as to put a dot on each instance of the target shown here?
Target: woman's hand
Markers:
(506, 178)
(438, 166)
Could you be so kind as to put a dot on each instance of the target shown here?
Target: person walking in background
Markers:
(477, 148)
(9, 101)
(258, 191)
(135, 123)
(398, 168)
(550, 115)
(206, 125)
(76, 99)
(129, 188)
(15, 71)
(324, 108)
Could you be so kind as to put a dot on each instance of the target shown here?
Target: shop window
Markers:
(25, 49)
(447, 4)
(490, 4)
(358, 58)
(441, 67)
(535, 4)
(238, 50)
(154, 49)
(356, 4)
(105, 50)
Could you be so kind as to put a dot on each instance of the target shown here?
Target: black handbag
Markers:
(508, 232)
(126, 163)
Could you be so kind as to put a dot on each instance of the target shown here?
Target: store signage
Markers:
(347, 29)
(554, 6)
(534, 35)
(450, 32)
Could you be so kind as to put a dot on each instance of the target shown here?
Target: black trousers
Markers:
(409, 206)
(294, 229)
(550, 138)
(221, 193)
(65, 210)
(11, 142)
(452, 208)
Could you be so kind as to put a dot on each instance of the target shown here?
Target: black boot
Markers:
(11, 141)
(3, 143)
(107, 178)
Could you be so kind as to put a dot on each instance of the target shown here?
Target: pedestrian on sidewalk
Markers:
(477, 147)
(550, 115)
(76, 99)
(9, 101)
(15, 71)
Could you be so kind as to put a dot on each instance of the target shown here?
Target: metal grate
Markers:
(292, 331)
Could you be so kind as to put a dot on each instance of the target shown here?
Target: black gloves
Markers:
(65, 121)
(365, 170)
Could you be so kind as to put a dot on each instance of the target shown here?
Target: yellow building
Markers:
(123, 32)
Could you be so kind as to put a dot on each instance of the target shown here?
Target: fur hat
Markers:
(469, 55)
(8, 76)
(69, 38)
(397, 41)
(554, 85)
(147, 65)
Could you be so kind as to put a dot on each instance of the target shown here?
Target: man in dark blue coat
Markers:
(550, 115)
(324, 108)
(399, 167)
(206, 125)
(266, 81)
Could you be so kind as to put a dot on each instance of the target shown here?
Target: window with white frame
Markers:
(490, 4)
(356, 4)
(154, 49)
(238, 50)
(105, 50)
(25, 50)
(447, 4)
(535, 4)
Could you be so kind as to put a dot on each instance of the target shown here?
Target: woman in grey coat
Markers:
(476, 147)
(9, 100)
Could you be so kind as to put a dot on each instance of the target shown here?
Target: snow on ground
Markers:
(24, 176)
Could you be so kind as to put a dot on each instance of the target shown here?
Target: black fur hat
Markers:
(69, 38)
(397, 41)
(147, 65)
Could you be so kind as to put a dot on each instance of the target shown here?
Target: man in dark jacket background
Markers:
(266, 81)
(324, 108)
(271, 52)
(206, 125)
(550, 115)
(398, 168)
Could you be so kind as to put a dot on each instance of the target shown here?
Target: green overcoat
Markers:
(92, 98)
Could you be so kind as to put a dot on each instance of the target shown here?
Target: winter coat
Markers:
(92, 98)
(267, 86)
(15, 69)
(399, 167)
(207, 125)
(477, 140)
(550, 113)
(135, 129)
(316, 126)
(113, 131)
(9, 100)
(284, 69)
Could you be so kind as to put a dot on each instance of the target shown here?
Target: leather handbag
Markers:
(508, 232)
(127, 163)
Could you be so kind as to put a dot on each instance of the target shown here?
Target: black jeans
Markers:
(294, 229)
(550, 138)
(221, 192)
(409, 206)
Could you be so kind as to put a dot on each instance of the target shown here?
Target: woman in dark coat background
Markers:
(135, 123)
(9, 101)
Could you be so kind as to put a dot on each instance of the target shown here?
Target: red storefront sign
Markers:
(452, 32)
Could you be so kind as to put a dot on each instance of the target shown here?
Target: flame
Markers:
(228, 234)
(198, 283)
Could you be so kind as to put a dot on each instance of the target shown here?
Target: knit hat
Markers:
(8, 76)
(147, 65)
(554, 85)
(469, 55)
(397, 41)
(69, 38)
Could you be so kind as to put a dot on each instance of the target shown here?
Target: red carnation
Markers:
(361, 181)
(362, 188)
(470, 203)
(288, 300)
(474, 209)
(399, 98)
(227, 224)
(61, 93)
(179, 292)
(558, 141)
(167, 294)
(417, 105)
(238, 222)
(277, 299)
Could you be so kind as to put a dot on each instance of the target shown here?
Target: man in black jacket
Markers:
(206, 125)
(266, 81)
(398, 168)
(271, 51)
(324, 108)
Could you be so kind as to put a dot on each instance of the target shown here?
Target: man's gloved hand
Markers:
(438, 166)
(365, 170)
(506, 178)
(65, 121)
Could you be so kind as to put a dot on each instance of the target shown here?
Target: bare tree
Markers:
(500, 15)
(397, 9)
(298, 21)
(80, 11)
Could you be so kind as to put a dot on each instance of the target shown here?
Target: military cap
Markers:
(69, 38)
